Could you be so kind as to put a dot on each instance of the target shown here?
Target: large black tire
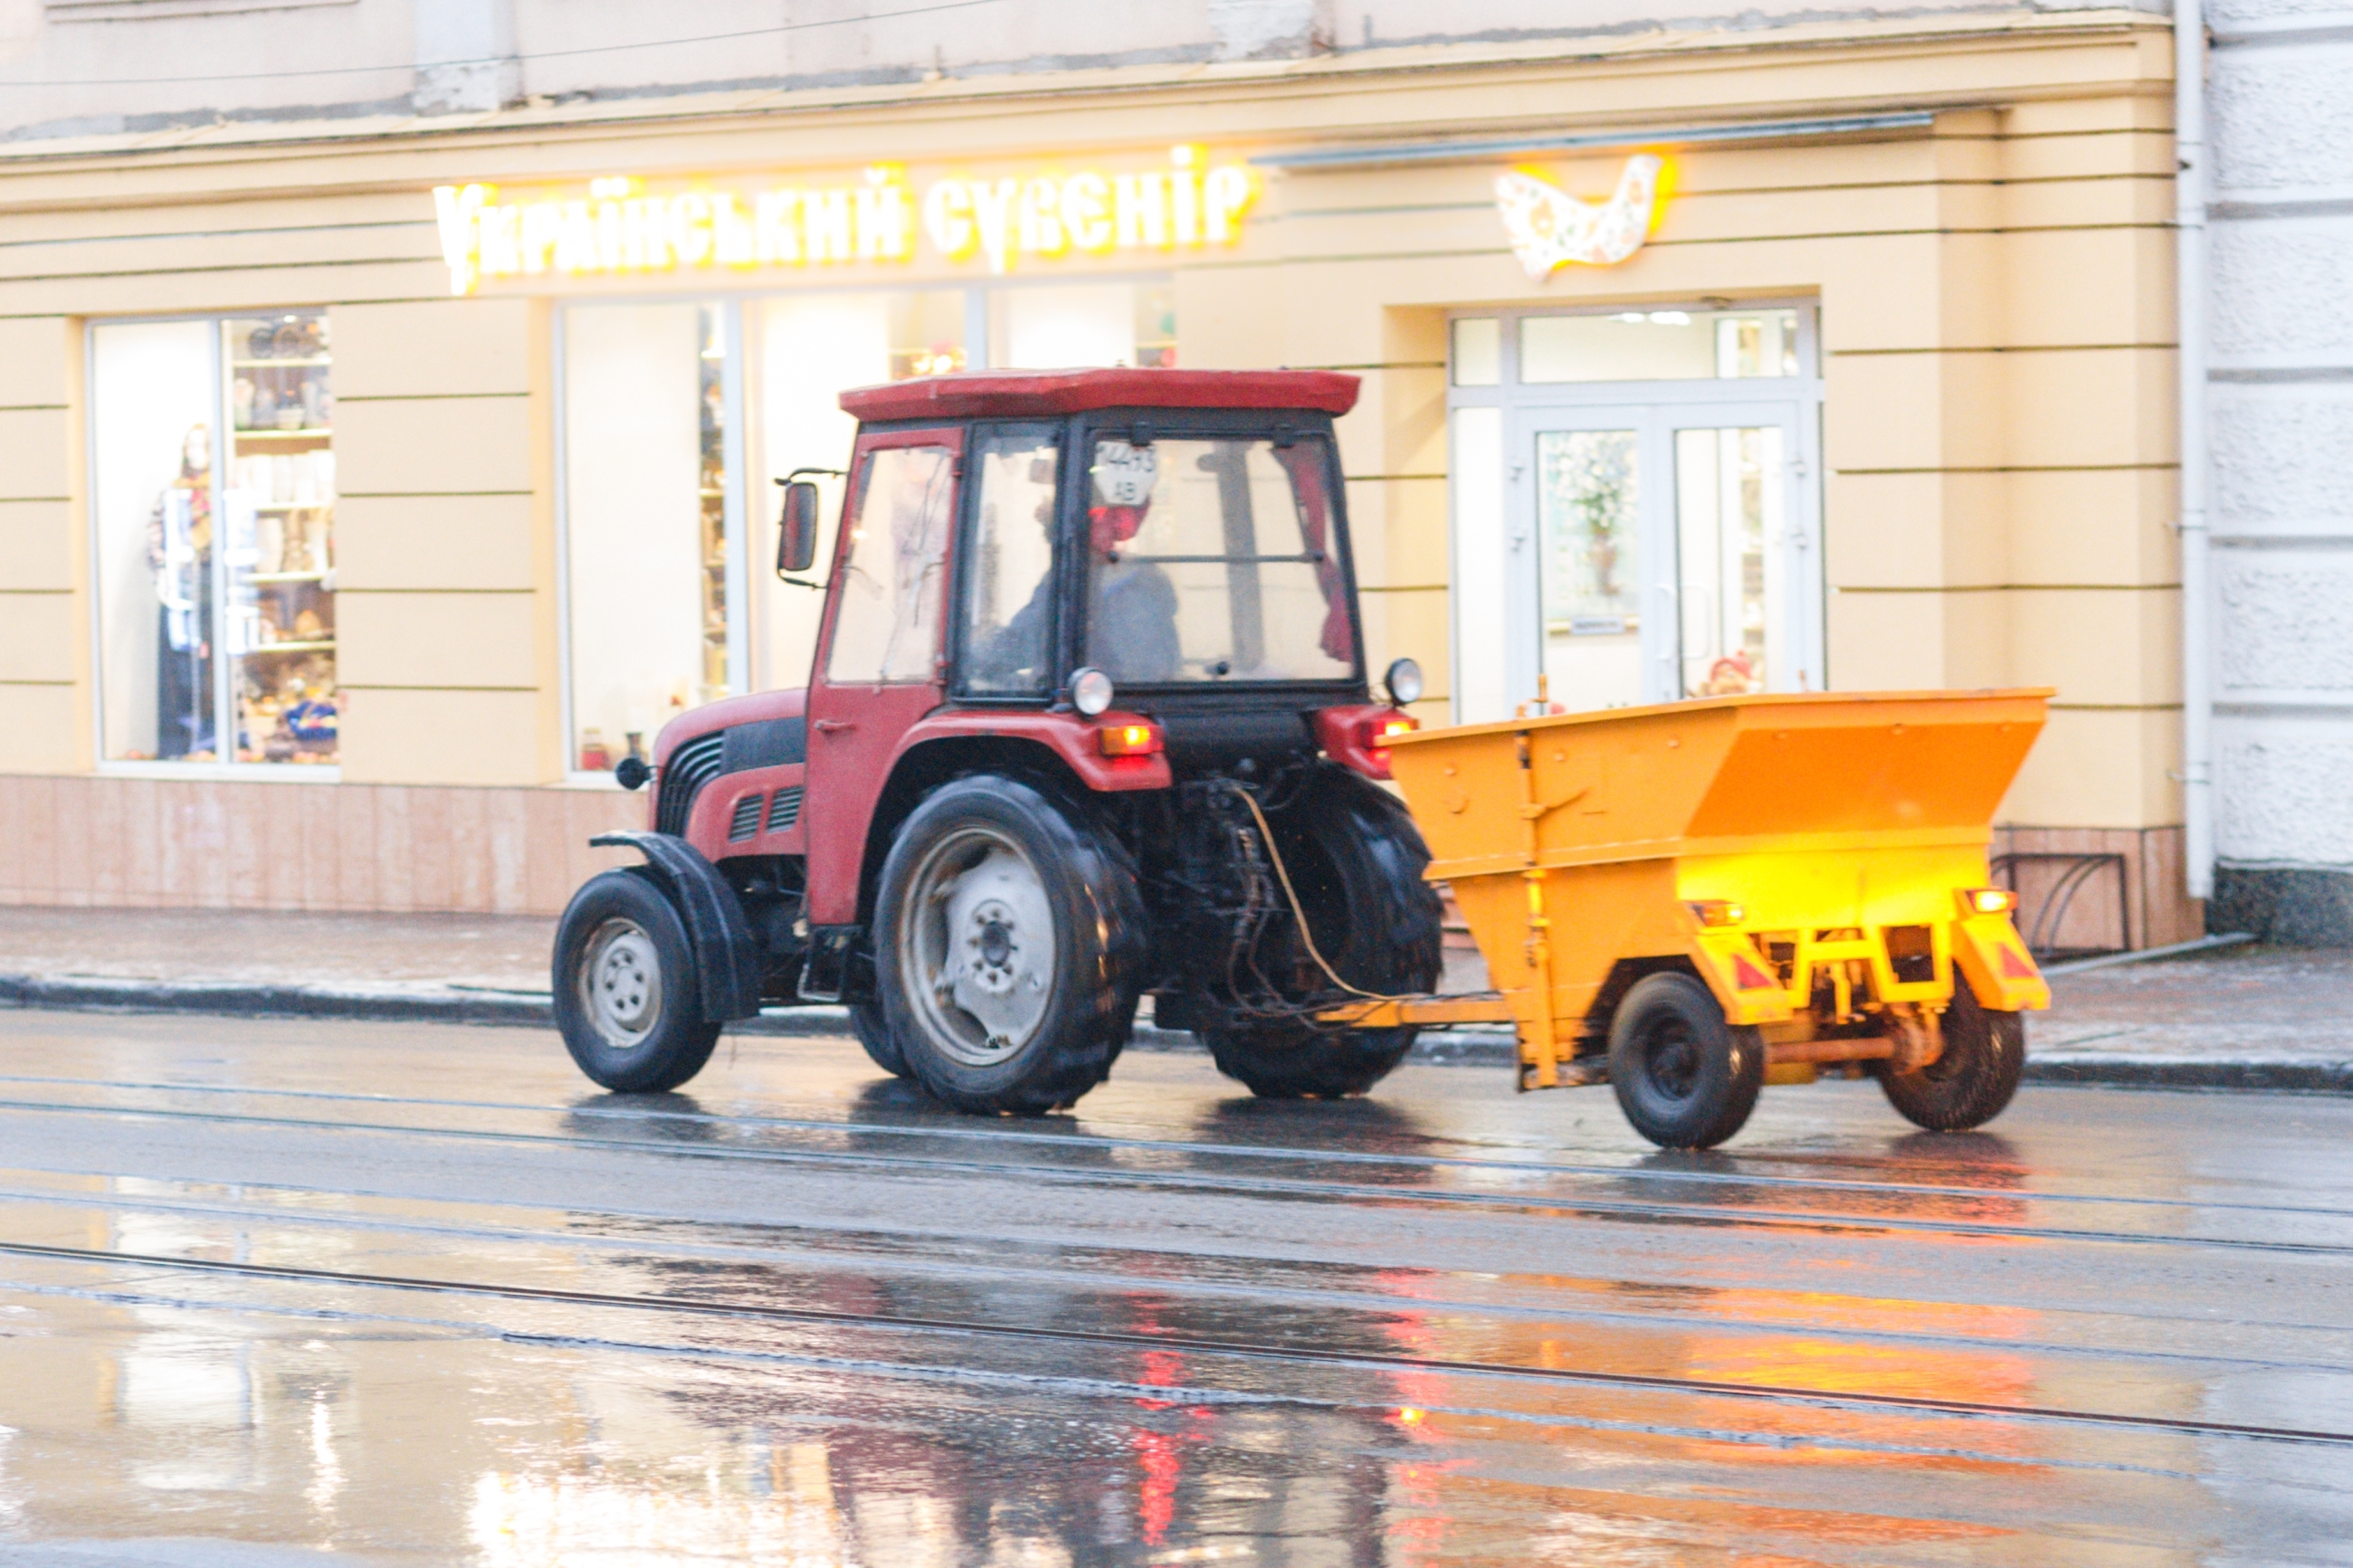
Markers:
(627, 999)
(874, 1032)
(1684, 1078)
(1029, 923)
(1973, 1079)
(1356, 859)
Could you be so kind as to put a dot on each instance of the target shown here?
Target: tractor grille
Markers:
(691, 767)
(746, 820)
(784, 809)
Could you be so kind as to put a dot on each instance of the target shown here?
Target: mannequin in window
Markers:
(180, 553)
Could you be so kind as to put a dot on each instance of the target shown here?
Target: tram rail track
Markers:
(999, 1132)
(1195, 1344)
(1825, 1221)
(816, 1261)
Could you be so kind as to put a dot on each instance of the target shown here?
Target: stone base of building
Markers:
(2127, 887)
(230, 844)
(2295, 908)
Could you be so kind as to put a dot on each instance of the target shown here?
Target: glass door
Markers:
(1657, 552)
(1745, 583)
(1585, 532)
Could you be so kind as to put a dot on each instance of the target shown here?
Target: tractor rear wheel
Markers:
(1684, 1076)
(1008, 948)
(1355, 860)
(1972, 1079)
(874, 1032)
(627, 998)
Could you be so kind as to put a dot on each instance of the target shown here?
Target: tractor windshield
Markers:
(1214, 560)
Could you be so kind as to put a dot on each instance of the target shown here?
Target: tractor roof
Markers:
(1014, 393)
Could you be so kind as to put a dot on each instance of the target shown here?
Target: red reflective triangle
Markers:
(1746, 976)
(2014, 967)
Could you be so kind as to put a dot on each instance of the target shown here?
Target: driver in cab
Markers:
(1132, 604)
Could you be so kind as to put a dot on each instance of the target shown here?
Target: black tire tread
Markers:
(1985, 1055)
(683, 1042)
(1099, 1026)
(1739, 1053)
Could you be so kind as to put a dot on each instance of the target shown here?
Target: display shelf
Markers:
(309, 432)
(276, 364)
(291, 505)
(326, 646)
(286, 576)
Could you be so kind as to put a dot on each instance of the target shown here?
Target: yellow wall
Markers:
(1995, 296)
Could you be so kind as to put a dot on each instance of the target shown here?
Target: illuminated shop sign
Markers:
(1549, 228)
(619, 226)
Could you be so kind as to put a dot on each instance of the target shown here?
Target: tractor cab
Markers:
(1121, 599)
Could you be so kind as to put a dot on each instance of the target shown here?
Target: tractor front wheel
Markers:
(1972, 1078)
(874, 1032)
(627, 1000)
(1008, 948)
(1684, 1078)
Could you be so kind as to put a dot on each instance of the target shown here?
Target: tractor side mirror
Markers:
(796, 528)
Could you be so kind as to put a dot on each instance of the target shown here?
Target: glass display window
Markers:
(646, 514)
(213, 463)
(681, 419)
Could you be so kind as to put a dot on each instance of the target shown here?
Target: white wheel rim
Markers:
(975, 947)
(620, 984)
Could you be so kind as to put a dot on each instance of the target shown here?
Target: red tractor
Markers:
(1087, 722)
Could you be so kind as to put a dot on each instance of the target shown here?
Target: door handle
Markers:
(827, 726)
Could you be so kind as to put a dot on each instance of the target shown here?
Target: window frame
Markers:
(967, 535)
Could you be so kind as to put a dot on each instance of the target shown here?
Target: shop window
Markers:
(214, 541)
(809, 349)
(1656, 345)
(888, 626)
(927, 332)
(645, 525)
(1083, 324)
(1008, 569)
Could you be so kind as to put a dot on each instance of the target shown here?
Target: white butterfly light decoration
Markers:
(1549, 228)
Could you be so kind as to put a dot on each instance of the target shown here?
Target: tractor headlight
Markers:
(1403, 682)
(1091, 691)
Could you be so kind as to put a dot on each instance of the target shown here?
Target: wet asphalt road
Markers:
(417, 1294)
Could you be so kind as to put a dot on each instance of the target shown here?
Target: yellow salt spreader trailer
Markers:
(1693, 900)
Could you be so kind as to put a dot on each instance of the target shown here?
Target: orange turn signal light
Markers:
(1988, 902)
(1718, 912)
(1129, 740)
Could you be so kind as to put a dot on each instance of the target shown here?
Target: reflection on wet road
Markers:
(410, 1293)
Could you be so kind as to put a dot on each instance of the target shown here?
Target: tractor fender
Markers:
(727, 957)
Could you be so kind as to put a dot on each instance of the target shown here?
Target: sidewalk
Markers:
(2246, 1018)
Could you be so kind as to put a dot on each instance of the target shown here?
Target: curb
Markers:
(428, 1004)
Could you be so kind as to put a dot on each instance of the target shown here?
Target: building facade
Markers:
(377, 475)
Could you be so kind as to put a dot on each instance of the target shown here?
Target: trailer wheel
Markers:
(1970, 1082)
(1008, 948)
(1684, 1078)
(874, 1032)
(1356, 859)
(626, 993)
